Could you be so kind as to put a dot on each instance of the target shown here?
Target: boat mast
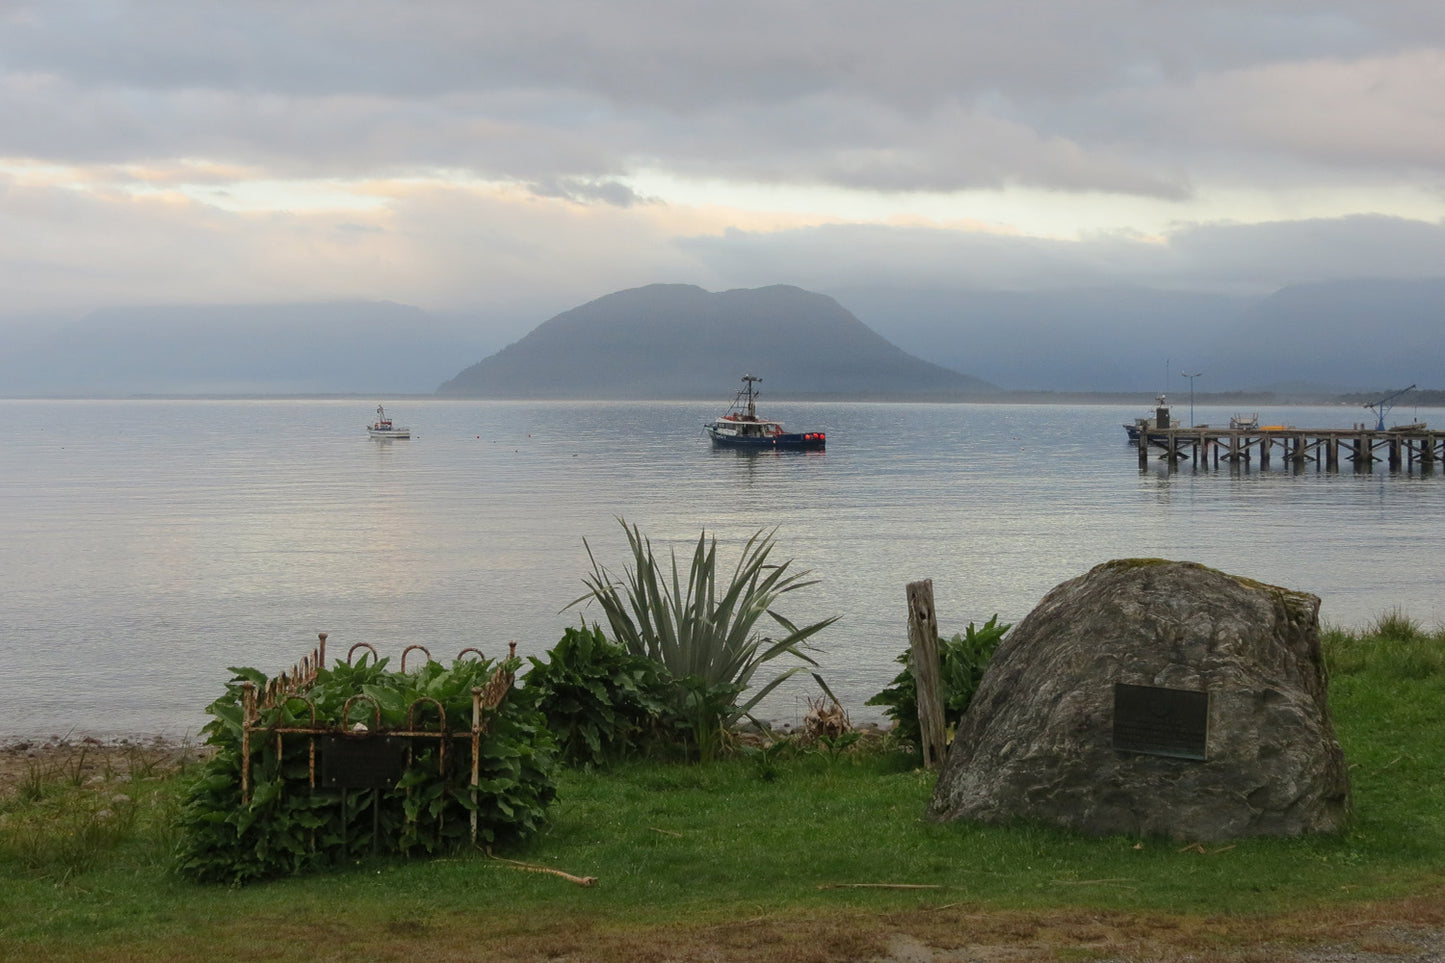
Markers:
(748, 391)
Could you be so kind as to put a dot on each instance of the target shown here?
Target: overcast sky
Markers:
(482, 155)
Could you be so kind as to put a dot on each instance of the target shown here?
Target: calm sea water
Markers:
(147, 546)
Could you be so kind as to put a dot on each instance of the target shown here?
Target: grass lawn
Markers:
(810, 857)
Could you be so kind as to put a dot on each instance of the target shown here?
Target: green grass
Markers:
(710, 845)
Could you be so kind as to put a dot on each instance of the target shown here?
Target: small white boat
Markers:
(383, 428)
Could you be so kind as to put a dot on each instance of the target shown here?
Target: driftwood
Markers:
(579, 880)
(879, 886)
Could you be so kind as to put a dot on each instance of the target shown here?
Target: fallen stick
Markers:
(1199, 848)
(579, 880)
(879, 886)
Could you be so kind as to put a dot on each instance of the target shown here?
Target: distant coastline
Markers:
(1431, 398)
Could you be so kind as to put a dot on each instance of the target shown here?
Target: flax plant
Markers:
(706, 633)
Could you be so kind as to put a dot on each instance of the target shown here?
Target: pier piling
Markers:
(1401, 448)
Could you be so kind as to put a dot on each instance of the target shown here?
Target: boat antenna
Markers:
(751, 395)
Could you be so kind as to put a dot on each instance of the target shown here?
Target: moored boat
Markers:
(1159, 419)
(383, 428)
(741, 427)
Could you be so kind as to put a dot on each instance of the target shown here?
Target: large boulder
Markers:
(1222, 727)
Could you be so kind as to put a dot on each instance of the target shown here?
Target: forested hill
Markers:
(679, 341)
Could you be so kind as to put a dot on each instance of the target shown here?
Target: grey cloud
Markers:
(572, 98)
(603, 192)
(1223, 258)
(842, 255)
(1272, 255)
(445, 248)
(661, 52)
(1114, 96)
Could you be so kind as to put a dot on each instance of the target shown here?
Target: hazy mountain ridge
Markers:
(1328, 337)
(1365, 336)
(326, 348)
(679, 341)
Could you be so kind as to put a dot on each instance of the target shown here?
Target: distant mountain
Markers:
(1085, 339)
(679, 341)
(327, 348)
(1363, 336)
(1327, 337)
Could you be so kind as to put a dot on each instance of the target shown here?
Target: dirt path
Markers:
(1412, 930)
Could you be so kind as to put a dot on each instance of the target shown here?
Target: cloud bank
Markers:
(502, 157)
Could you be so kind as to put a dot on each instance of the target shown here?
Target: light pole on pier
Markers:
(1191, 376)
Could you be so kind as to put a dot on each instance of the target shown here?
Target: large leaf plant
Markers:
(710, 634)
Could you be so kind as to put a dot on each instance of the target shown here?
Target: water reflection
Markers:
(149, 545)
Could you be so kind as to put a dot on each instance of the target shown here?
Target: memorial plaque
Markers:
(365, 762)
(1162, 722)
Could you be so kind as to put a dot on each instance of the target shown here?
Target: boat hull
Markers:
(796, 441)
(389, 432)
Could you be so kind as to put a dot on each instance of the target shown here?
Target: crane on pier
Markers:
(1383, 406)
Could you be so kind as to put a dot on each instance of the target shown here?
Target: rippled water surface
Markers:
(149, 545)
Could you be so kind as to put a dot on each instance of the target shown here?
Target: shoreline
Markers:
(87, 759)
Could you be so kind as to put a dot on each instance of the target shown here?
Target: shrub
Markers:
(962, 661)
(706, 635)
(289, 826)
(601, 702)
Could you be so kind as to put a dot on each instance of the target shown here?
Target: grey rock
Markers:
(1038, 744)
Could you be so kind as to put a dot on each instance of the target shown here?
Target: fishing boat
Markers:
(383, 428)
(741, 427)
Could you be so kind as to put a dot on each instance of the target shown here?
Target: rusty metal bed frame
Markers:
(292, 686)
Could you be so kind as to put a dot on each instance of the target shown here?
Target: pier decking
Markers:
(1402, 448)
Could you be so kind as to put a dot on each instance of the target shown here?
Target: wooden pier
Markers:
(1402, 448)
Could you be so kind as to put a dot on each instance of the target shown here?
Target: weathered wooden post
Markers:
(923, 662)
